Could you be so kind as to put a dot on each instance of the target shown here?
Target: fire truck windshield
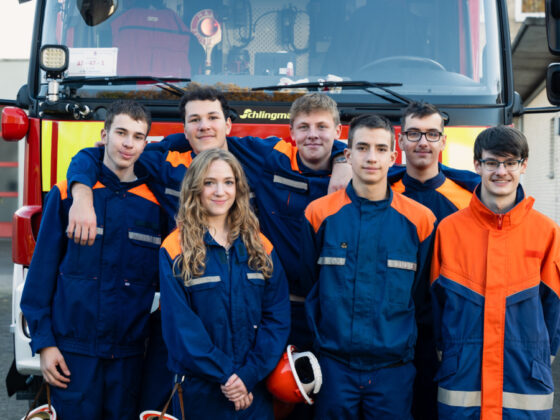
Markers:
(444, 51)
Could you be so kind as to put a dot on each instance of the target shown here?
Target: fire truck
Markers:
(370, 56)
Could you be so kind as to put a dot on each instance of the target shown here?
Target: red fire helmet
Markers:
(296, 378)
(155, 415)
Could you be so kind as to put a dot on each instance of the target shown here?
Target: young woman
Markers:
(224, 295)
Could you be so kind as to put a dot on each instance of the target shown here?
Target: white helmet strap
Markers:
(307, 366)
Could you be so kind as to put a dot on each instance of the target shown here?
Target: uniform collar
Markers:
(431, 184)
(506, 221)
(466, 179)
(304, 170)
(112, 181)
(361, 201)
(237, 248)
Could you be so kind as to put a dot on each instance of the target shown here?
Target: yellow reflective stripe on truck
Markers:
(72, 136)
(46, 146)
(458, 151)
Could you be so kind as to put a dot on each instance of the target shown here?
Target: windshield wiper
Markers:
(348, 84)
(123, 80)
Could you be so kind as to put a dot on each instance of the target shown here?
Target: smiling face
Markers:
(206, 127)
(218, 191)
(370, 157)
(314, 134)
(500, 184)
(125, 141)
(422, 157)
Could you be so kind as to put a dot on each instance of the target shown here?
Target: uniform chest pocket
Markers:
(401, 270)
(142, 254)
(332, 257)
(256, 279)
(290, 195)
(254, 295)
(198, 284)
(334, 272)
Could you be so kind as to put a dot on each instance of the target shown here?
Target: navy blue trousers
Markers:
(99, 388)
(352, 394)
(157, 380)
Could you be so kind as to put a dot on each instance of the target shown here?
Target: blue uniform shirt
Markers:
(229, 320)
(366, 263)
(96, 300)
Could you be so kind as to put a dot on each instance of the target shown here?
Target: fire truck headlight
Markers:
(25, 327)
(54, 60)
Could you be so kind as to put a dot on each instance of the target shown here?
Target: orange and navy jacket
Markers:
(231, 319)
(450, 190)
(495, 292)
(96, 300)
(366, 264)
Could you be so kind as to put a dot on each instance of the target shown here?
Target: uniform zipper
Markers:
(500, 221)
(227, 259)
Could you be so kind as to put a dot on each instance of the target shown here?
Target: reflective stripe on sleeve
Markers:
(259, 276)
(203, 280)
(100, 231)
(156, 240)
(459, 398)
(174, 193)
(527, 402)
(331, 261)
(290, 182)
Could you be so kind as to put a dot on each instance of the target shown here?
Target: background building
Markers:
(530, 59)
(16, 27)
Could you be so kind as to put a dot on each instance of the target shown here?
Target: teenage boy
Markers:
(496, 288)
(88, 307)
(444, 191)
(365, 257)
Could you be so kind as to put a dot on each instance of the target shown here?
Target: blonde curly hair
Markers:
(192, 218)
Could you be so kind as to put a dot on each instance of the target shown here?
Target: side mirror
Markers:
(552, 8)
(553, 83)
(96, 11)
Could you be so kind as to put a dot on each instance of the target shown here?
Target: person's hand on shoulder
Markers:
(82, 221)
(341, 174)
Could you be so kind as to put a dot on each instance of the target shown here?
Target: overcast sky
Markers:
(16, 26)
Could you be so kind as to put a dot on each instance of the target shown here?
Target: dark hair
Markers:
(420, 110)
(370, 121)
(133, 109)
(203, 93)
(501, 141)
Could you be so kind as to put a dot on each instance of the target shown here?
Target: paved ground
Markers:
(12, 409)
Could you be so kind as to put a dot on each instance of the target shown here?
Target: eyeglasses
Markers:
(493, 164)
(415, 135)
